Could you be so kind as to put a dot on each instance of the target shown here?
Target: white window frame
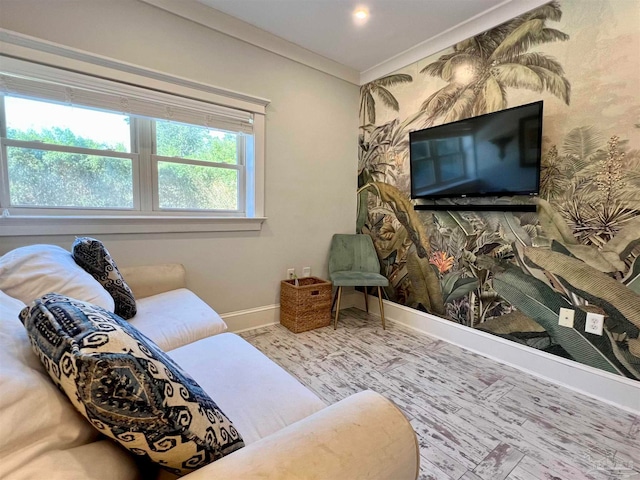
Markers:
(23, 55)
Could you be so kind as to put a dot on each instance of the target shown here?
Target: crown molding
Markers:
(483, 21)
(238, 29)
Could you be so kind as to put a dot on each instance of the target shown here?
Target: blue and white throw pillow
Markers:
(94, 258)
(127, 387)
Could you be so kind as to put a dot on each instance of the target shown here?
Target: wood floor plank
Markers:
(570, 399)
(441, 460)
(593, 452)
(551, 469)
(634, 430)
(498, 369)
(519, 474)
(470, 360)
(562, 406)
(363, 352)
(602, 435)
(444, 394)
(392, 363)
(476, 419)
(429, 471)
(448, 375)
(467, 363)
(464, 443)
(405, 381)
(539, 446)
(402, 341)
(329, 389)
(499, 463)
(495, 391)
(342, 367)
(470, 476)
(281, 348)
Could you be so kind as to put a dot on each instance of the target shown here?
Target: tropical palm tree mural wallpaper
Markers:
(510, 273)
(480, 69)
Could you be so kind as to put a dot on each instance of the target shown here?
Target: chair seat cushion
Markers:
(358, 279)
(176, 318)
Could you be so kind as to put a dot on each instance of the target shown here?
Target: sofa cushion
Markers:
(27, 273)
(99, 460)
(126, 386)
(95, 259)
(40, 431)
(176, 318)
(235, 370)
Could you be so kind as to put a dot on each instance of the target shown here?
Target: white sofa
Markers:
(289, 432)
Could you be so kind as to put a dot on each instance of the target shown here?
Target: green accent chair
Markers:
(353, 262)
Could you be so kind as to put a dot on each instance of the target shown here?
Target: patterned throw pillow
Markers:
(94, 258)
(127, 387)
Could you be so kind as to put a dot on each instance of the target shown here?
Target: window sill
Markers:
(24, 225)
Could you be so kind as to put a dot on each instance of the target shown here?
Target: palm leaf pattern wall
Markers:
(480, 69)
(380, 88)
(509, 273)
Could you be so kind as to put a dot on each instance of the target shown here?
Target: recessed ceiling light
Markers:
(361, 13)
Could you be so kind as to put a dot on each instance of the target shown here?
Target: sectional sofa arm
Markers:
(151, 280)
(362, 437)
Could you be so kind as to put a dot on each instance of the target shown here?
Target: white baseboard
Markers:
(253, 318)
(604, 386)
(243, 320)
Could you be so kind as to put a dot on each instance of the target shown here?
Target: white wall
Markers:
(311, 153)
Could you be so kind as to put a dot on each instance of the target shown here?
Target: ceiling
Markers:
(327, 27)
(325, 35)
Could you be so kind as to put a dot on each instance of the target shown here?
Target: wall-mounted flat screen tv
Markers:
(488, 155)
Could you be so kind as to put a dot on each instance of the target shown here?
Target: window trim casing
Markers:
(30, 50)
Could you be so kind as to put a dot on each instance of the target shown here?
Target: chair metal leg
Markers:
(335, 297)
(366, 299)
(335, 320)
(381, 308)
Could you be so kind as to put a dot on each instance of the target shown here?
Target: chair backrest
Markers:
(353, 253)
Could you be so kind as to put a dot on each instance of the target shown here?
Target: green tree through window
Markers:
(49, 178)
(46, 177)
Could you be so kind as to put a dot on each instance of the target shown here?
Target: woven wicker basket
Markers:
(306, 306)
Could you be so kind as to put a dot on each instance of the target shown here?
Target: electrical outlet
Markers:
(291, 273)
(566, 317)
(306, 272)
(594, 323)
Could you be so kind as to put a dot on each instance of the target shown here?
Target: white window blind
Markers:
(70, 88)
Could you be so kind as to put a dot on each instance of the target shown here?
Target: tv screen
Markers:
(489, 155)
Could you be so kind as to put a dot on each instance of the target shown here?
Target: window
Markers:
(74, 157)
(65, 157)
(83, 146)
(439, 161)
(198, 168)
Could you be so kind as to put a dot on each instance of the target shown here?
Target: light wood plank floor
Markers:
(475, 418)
